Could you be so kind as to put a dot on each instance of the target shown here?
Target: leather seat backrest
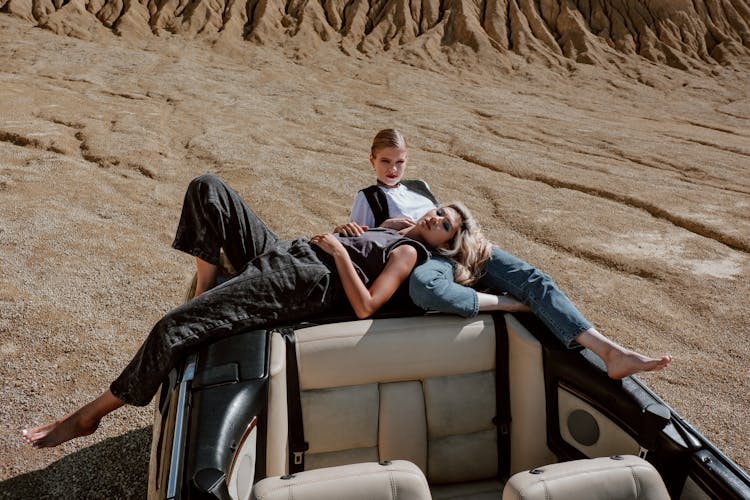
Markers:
(624, 477)
(418, 389)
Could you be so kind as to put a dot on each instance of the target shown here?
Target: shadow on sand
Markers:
(116, 468)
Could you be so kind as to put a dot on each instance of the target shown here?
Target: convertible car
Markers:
(417, 406)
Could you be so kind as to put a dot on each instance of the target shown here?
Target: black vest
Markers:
(379, 204)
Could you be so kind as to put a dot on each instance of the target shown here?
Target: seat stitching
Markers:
(637, 483)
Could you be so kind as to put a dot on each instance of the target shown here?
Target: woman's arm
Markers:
(398, 224)
(354, 229)
(366, 301)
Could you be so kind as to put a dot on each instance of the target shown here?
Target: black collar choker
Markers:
(380, 183)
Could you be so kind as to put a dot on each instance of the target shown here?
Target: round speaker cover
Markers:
(583, 427)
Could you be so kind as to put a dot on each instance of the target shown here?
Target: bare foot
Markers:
(620, 362)
(81, 422)
(72, 426)
(623, 363)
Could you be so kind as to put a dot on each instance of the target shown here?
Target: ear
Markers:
(372, 160)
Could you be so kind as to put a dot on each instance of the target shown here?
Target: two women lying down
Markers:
(284, 281)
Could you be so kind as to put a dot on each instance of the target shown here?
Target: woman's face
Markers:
(438, 227)
(389, 165)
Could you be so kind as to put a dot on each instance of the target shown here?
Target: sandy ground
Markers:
(630, 187)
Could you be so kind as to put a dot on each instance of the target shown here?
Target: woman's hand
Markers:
(329, 244)
(350, 229)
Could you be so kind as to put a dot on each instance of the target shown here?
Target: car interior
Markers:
(429, 406)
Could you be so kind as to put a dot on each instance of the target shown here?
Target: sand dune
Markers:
(608, 145)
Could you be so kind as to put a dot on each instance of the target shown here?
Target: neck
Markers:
(387, 186)
(411, 232)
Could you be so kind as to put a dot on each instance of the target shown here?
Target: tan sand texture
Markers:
(606, 142)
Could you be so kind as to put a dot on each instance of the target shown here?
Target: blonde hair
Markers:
(387, 138)
(469, 250)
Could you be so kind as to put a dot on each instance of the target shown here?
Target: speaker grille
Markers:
(583, 427)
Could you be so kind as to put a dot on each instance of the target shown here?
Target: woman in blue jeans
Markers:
(279, 282)
(438, 285)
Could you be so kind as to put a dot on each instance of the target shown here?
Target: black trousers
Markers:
(279, 282)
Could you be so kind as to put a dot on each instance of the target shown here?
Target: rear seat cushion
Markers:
(402, 427)
(412, 388)
(465, 457)
(341, 425)
(460, 410)
(374, 481)
(341, 418)
(460, 404)
(490, 489)
(616, 478)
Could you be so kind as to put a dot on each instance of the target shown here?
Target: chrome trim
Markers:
(248, 430)
(180, 426)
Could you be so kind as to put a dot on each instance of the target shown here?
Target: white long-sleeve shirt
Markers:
(402, 203)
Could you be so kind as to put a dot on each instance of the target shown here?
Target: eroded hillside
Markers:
(685, 34)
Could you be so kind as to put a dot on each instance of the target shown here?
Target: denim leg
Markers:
(506, 273)
(214, 217)
(284, 285)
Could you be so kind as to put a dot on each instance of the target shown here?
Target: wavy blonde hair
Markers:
(469, 250)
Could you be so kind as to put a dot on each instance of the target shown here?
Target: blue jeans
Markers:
(431, 287)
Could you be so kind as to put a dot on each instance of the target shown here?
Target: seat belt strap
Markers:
(297, 444)
(502, 397)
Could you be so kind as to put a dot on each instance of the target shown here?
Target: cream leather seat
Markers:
(372, 481)
(420, 392)
(614, 478)
(416, 390)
